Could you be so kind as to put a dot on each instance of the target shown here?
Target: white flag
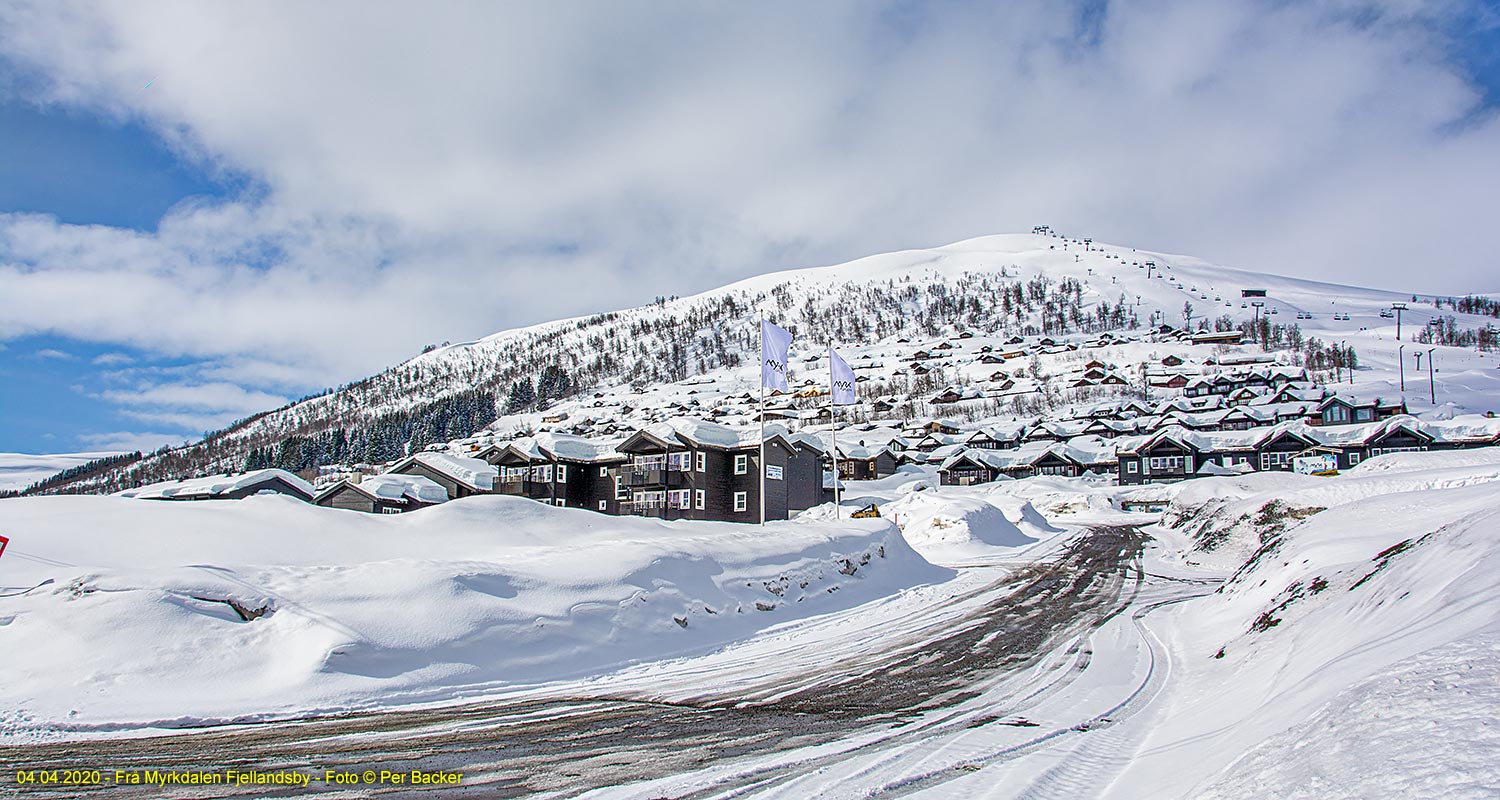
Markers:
(775, 343)
(843, 379)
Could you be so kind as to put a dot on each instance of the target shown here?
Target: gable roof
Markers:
(216, 485)
(683, 431)
(402, 489)
(471, 472)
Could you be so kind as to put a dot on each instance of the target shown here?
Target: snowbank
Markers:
(932, 522)
(1304, 658)
(170, 613)
(1231, 518)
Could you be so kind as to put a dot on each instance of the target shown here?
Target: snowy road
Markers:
(987, 656)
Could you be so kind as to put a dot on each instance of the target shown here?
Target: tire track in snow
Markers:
(565, 746)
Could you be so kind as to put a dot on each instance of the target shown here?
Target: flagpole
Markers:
(763, 418)
(833, 434)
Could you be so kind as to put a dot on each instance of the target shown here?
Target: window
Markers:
(542, 474)
(513, 474)
(702, 462)
(679, 498)
(698, 499)
(1132, 467)
(604, 472)
(1167, 463)
(559, 502)
(621, 493)
(603, 505)
(1269, 461)
(562, 473)
(1364, 413)
(680, 462)
(389, 510)
(1353, 458)
(739, 499)
(643, 463)
(741, 465)
(1336, 413)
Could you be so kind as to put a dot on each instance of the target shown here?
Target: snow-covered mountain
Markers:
(696, 355)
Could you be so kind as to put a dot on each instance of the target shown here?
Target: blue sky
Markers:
(288, 207)
(84, 169)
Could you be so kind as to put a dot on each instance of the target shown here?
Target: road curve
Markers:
(568, 745)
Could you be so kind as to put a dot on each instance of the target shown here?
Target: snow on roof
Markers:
(214, 485)
(1352, 399)
(1468, 427)
(712, 434)
(472, 471)
(402, 488)
(1087, 449)
(567, 446)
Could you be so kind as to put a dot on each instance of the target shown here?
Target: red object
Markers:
(3, 542)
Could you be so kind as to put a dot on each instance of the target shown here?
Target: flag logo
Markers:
(842, 376)
(775, 344)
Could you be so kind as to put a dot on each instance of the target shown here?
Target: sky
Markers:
(208, 210)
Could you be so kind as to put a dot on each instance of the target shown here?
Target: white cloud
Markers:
(184, 421)
(55, 355)
(193, 408)
(521, 162)
(112, 360)
(208, 396)
(126, 441)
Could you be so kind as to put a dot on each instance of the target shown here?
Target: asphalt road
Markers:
(568, 745)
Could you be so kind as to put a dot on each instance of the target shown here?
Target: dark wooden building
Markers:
(383, 494)
(460, 476)
(559, 470)
(695, 470)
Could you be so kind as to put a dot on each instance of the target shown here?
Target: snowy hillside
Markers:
(1354, 654)
(695, 355)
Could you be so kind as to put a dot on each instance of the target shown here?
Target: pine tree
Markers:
(522, 396)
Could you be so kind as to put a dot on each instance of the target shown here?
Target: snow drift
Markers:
(1353, 654)
(118, 612)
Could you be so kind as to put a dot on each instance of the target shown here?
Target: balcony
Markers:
(516, 487)
(637, 475)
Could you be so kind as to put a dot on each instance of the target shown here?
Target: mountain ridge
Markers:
(1027, 284)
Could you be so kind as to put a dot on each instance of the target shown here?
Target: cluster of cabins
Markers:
(1256, 418)
(679, 469)
(1176, 453)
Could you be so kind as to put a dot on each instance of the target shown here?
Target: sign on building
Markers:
(773, 472)
(1322, 464)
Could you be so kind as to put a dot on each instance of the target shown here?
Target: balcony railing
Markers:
(653, 508)
(637, 475)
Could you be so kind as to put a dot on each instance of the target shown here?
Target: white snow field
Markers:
(129, 625)
(1290, 636)
(1377, 678)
